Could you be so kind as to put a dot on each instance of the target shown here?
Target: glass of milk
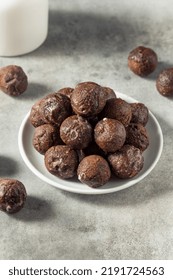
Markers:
(23, 26)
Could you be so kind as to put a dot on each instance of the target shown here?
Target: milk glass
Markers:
(23, 26)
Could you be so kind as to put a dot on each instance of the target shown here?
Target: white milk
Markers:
(23, 25)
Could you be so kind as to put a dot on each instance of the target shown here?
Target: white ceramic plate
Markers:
(35, 161)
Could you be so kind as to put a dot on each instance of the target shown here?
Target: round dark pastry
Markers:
(94, 171)
(81, 131)
(45, 136)
(61, 161)
(88, 99)
(76, 132)
(164, 82)
(137, 136)
(119, 109)
(140, 113)
(126, 162)
(35, 116)
(109, 135)
(66, 91)
(142, 61)
(13, 80)
(12, 195)
(109, 93)
(55, 108)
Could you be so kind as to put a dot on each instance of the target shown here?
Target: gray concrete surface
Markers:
(90, 40)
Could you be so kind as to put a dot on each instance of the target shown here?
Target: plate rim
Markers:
(89, 191)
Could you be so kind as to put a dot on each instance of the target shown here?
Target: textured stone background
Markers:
(90, 40)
